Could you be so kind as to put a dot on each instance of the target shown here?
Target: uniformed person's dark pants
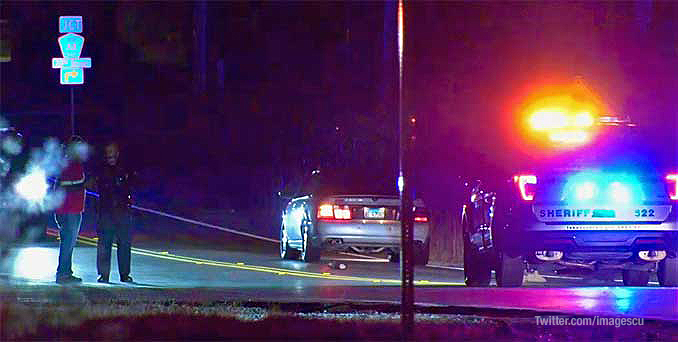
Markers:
(114, 226)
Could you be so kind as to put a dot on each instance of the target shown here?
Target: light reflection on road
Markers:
(621, 297)
(36, 263)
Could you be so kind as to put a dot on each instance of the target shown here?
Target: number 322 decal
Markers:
(644, 212)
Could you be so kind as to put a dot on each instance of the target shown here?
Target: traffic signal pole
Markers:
(406, 206)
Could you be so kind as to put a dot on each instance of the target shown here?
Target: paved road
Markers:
(261, 275)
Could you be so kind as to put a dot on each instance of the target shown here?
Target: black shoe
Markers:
(68, 280)
(126, 279)
(102, 279)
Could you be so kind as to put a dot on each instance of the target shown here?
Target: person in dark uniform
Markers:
(114, 219)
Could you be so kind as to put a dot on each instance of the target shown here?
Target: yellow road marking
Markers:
(279, 271)
(265, 269)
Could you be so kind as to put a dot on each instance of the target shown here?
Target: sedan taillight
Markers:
(673, 185)
(326, 211)
(342, 213)
(329, 211)
(421, 215)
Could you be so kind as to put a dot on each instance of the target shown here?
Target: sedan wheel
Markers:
(393, 257)
(286, 253)
(309, 253)
(422, 253)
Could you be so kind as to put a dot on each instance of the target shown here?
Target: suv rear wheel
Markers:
(510, 270)
(477, 267)
(667, 271)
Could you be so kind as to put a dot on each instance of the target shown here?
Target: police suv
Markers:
(606, 204)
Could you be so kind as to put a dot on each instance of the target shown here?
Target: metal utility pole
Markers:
(200, 102)
(200, 47)
(72, 112)
(406, 207)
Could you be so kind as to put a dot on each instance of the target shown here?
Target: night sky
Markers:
(293, 86)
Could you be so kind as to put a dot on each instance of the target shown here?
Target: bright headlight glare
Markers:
(33, 186)
(548, 119)
(569, 137)
(583, 119)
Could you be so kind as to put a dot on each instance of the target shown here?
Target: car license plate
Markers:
(374, 213)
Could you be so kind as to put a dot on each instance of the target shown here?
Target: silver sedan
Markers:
(362, 223)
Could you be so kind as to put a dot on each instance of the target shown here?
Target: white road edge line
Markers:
(355, 260)
(649, 282)
(562, 277)
(456, 268)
